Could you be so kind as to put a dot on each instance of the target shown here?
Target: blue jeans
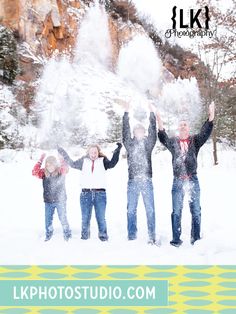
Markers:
(61, 211)
(97, 199)
(145, 187)
(194, 204)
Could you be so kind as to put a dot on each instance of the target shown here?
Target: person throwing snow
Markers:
(93, 183)
(139, 156)
(184, 149)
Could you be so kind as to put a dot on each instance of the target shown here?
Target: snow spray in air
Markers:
(77, 100)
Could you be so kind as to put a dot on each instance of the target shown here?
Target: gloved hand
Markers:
(42, 157)
(119, 145)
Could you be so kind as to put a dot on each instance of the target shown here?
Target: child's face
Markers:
(93, 153)
(51, 167)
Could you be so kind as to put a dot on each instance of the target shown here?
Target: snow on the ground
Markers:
(22, 216)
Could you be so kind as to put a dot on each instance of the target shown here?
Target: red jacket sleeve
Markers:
(38, 171)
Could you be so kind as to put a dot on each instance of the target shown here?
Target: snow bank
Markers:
(22, 216)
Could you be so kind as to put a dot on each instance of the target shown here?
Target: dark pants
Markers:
(145, 187)
(178, 191)
(61, 211)
(97, 199)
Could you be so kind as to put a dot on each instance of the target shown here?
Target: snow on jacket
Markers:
(96, 178)
(139, 152)
(54, 189)
(188, 165)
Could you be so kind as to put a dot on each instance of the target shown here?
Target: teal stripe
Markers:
(72, 292)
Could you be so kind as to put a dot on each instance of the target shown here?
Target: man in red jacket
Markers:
(184, 150)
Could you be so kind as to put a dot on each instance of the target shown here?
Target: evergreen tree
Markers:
(114, 132)
(8, 56)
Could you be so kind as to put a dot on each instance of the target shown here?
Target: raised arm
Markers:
(159, 121)
(78, 164)
(207, 127)
(162, 135)
(152, 130)
(126, 132)
(37, 170)
(108, 164)
(204, 133)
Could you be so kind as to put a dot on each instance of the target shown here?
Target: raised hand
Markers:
(151, 107)
(42, 157)
(124, 104)
(119, 145)
(159, 121)
(211, 111)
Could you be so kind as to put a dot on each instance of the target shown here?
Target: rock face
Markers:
(42, 27)
(52, 25)
(186, 66)
(121, 34)
(46, 25)
(9, 13)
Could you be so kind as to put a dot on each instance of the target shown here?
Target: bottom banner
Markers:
(118, 289)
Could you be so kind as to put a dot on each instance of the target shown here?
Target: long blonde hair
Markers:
(52, 160)
(100, 153)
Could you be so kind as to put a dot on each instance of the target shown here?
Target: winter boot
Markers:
(48, 236)
(194, 240)
(67, 235)
(153, 242)
(176, 243)
(103, 238)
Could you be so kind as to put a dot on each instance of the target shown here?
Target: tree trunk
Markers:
(215, 149)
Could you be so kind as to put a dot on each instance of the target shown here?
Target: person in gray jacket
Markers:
(139, 156)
